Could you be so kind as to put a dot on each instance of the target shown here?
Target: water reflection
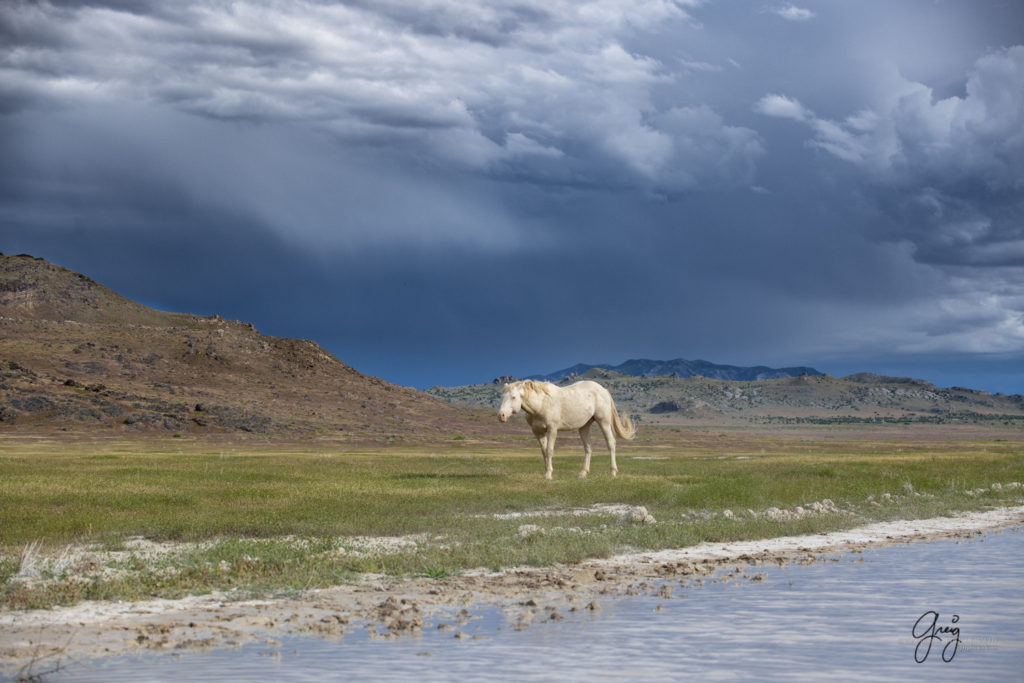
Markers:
(851, 619)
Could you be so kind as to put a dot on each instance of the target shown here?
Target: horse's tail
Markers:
(623, 426)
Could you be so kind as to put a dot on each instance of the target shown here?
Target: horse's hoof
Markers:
(548, 476)
(582, 475)
(615, 473)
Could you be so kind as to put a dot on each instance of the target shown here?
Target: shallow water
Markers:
(851, 619)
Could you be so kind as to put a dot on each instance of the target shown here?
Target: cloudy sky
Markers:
(444, 191)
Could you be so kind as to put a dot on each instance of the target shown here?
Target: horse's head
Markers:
(511, 400)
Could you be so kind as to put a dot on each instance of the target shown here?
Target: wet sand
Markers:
(390, 607)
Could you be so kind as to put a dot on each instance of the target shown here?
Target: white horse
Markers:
(549, 408)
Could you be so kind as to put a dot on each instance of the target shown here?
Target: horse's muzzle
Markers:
(502, 417)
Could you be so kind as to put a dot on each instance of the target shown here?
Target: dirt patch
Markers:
(390, 607)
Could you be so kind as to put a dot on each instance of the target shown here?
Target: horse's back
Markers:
(587, 385)
(584, 389)
(586, 398)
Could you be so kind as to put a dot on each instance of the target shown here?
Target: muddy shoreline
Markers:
(389, 607)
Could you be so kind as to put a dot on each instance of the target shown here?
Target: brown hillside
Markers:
(76, 356)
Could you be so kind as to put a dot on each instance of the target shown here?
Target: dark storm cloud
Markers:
(947, 175)
(448, 190)
(955, 166)
(493, 24)
(557, 85)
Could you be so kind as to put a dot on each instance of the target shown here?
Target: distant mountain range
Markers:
(680, 367)
(805, 398)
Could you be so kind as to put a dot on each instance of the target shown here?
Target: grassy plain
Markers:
(266, 518)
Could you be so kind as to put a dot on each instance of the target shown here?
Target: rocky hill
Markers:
(863, 397)
(680, 367)
(76, 356)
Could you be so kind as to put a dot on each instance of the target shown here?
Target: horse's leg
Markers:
(587, 449)
(549, 451)
(539, 431)
(609, 438)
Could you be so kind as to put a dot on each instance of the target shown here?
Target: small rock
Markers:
(637, 515)
(585, 576)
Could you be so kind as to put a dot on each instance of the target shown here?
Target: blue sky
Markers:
(444, 191)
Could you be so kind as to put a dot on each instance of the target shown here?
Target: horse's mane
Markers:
(533, 387)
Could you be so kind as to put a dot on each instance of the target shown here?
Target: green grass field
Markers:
(276, 518)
